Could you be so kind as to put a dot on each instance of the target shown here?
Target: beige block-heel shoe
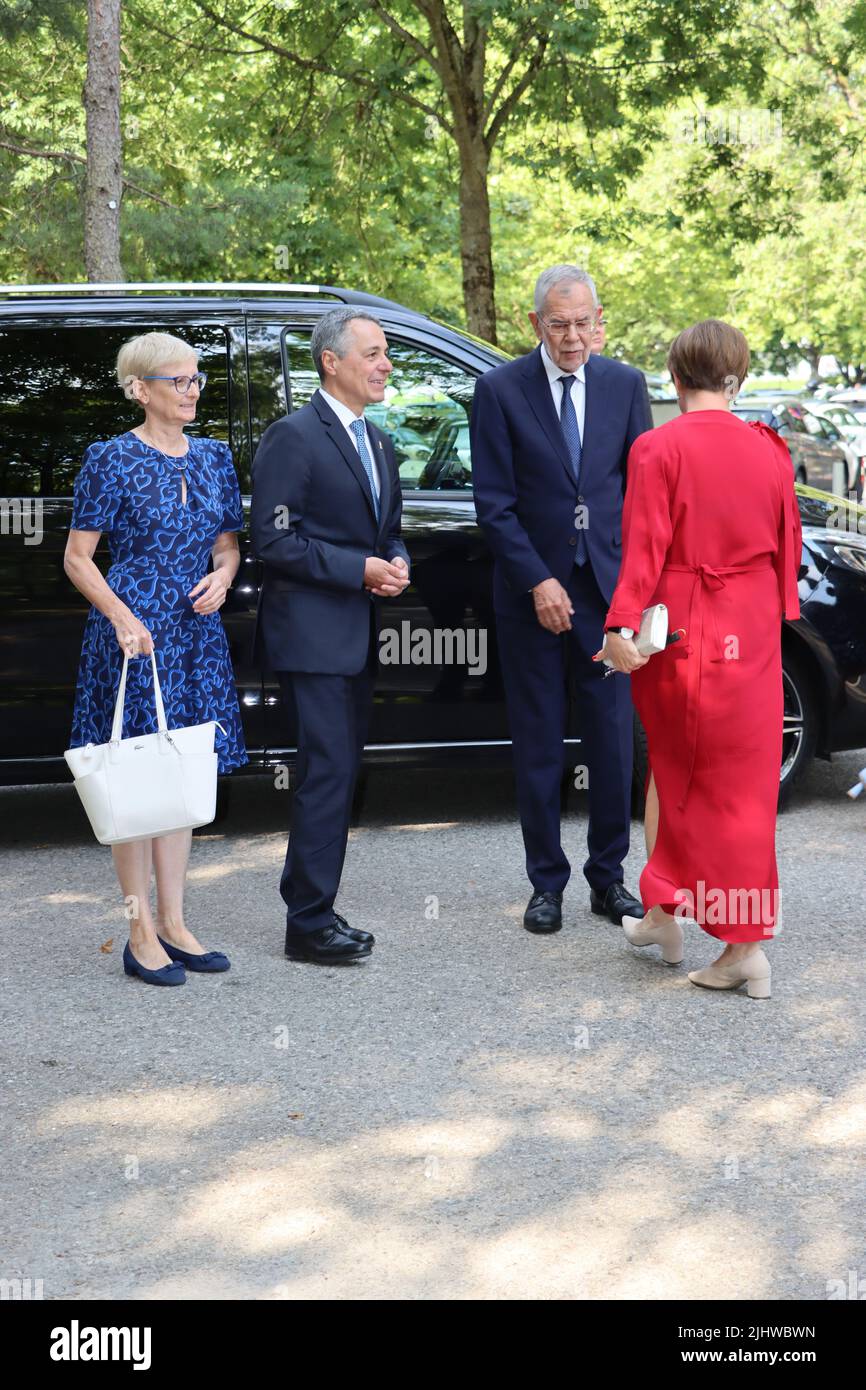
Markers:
(753, 971)
(669, 936)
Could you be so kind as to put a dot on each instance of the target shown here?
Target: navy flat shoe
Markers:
(208, 963)
(173, 974)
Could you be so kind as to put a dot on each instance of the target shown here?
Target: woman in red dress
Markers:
(711, 528)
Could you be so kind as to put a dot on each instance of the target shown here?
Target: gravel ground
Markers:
(474, 1113)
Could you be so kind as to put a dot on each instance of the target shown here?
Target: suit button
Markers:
(579, 498)
(573, 540)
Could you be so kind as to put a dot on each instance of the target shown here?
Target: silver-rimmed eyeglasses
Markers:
(585, 326)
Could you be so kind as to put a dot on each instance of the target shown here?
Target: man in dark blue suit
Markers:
(551, 433)
(326, 523)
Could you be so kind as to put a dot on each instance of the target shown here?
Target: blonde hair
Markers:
(146, 355)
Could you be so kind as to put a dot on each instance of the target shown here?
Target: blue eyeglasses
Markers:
(182, 383)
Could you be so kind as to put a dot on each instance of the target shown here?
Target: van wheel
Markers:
(800, 728)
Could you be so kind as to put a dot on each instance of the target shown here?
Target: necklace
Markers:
(180, 461)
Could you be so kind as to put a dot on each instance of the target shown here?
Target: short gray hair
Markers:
(329, 334)
(561, 275)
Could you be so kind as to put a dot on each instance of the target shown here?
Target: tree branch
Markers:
(475, 55)
(189, 43)
(298, 60)
(520, 40)
(449, 50)
(511, 102)
(79, 159)
(464, 100)
(405, 34)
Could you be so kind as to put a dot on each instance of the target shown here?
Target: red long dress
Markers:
(711, 528)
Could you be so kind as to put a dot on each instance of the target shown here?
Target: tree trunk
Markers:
(813, 356)
(104, 156)
(476, 253)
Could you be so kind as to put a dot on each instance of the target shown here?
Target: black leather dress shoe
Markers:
(354, 933)
(615, 904)
(544, 912)
(327, 946)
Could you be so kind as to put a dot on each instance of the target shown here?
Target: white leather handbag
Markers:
(136, 788)
(652, 635)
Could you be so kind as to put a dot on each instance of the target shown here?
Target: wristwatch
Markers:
(626, 632)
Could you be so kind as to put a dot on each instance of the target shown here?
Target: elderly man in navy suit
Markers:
(326, 523)
(551, 433)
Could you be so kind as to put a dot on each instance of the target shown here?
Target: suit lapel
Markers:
(536, 388)
(342, 441)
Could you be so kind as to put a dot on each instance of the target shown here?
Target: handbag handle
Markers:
(117, 722)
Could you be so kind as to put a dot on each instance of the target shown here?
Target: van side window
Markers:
(58, 393)
(303, 377)
(425, 411)
(267, 386)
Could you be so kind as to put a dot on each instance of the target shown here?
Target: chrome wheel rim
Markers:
(793, 726)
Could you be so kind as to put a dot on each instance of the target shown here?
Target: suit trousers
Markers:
(332, 717)
(534, 666)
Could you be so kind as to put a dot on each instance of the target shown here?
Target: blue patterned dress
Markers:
(159, 551)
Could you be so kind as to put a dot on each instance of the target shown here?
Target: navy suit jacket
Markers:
(526, 495)
(313, 525)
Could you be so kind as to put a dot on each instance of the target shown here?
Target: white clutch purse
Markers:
(136, 788)
(652, 635)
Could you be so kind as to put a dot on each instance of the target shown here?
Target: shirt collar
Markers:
(554, 373)
(345, 416)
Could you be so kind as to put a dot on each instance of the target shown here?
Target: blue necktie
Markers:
(568, 421)
(360, 434)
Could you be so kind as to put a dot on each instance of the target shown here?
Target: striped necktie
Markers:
(568, 420)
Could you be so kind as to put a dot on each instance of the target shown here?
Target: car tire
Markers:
(801, 725)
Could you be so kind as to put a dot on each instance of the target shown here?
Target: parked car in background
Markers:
(817, 460)
(414, 418)
(58, 394)
(844, 419)
(842, 427)
(663, 398)
(772, 393)
(855, 399)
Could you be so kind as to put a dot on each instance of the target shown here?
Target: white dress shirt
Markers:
(578, 388)
(346, 418)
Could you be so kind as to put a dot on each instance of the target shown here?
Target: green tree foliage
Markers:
(317, 141)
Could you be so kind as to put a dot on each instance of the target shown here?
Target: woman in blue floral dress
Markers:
(168, 502)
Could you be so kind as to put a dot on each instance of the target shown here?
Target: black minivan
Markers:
(58, 393)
